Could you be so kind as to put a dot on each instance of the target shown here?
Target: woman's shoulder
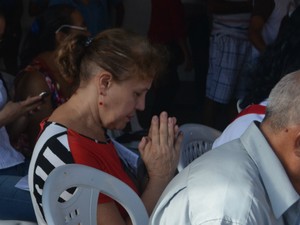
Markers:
(52, 140)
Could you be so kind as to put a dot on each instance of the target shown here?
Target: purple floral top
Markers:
(40, 66)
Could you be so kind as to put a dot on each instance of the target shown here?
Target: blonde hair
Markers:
(122, 53)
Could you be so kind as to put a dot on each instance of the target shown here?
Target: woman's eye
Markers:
(137, 94)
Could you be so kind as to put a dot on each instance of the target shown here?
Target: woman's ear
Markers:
(104, 81)
(297, 144)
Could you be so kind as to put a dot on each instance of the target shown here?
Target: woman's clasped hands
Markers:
(161, 149)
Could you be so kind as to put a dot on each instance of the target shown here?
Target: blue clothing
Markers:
(9, 155)
(229, 50)
(15, 204)
(241, 182)
(20, 169)
(227, 56)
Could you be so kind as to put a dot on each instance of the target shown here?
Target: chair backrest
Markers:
(16, 222)
(81, 206)
(197, 139)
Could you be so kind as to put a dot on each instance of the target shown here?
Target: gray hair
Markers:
(284, 102)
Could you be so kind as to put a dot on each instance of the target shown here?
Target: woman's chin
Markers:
(119, 126)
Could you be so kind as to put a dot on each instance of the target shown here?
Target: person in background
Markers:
(264, 27)
(252, 180)
(230, 49)
(280, 58)
(15, 204)
(114, 70)
(98, 14)
(167, 27)
(41, 73)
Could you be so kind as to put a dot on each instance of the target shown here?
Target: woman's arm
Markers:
(31, 84)
(160, 152)
(108, 214)
(261, 13)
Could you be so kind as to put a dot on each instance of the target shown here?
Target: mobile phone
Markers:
(44, 94)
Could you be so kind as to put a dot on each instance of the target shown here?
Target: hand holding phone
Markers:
(44, 94)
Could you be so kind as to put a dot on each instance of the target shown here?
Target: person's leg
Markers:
(17, 170)
(212, 107)
(227, 56)
(15, 204)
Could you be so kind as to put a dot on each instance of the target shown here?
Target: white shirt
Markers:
(241, 183)
(8, 155)
(236, 128)
(272, 25)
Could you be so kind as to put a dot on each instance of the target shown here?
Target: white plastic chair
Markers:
(238, 107)
(16, 222)
(197, 140)
(81, 207)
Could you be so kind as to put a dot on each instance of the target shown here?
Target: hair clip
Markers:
(88, 41)
(70, 27)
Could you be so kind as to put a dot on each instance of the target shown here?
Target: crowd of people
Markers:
(250, 176)
(251, 180)
(241, 31)
(78, 74)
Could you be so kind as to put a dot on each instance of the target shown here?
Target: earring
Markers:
(101, 103)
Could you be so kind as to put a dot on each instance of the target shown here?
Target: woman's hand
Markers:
(160, 150)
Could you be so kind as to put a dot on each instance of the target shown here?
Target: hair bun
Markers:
(88, 41)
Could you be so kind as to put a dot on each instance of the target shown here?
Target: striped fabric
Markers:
(230, 49)
(51, 154)
(233, 24)
(227, 57)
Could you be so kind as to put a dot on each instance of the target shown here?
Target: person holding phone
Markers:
(40, 73)
(14, 203)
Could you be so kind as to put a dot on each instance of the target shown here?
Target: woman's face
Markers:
(122, 100)
(77, 26)
(78, 21)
